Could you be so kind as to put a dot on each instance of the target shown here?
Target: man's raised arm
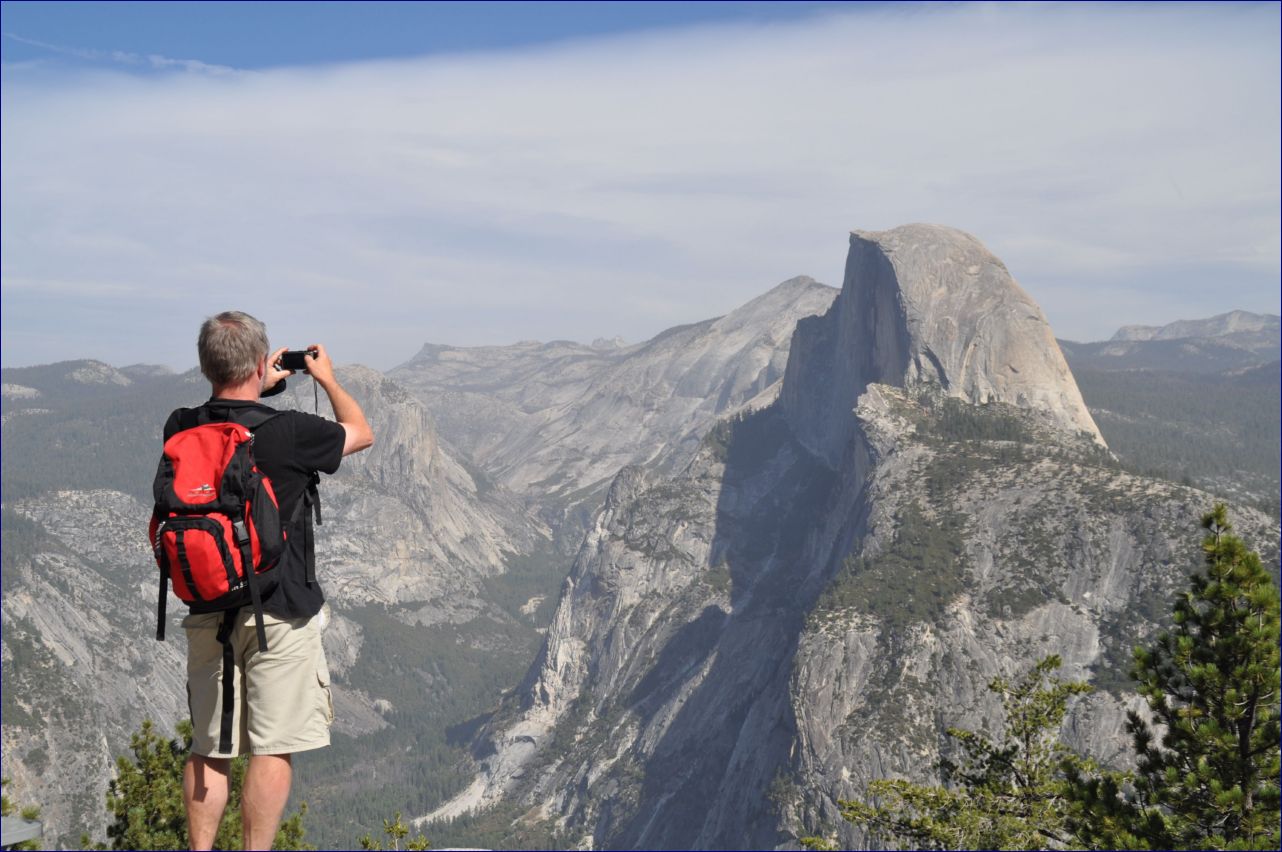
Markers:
(347, 411)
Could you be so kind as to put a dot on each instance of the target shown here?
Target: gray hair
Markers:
(230, 346)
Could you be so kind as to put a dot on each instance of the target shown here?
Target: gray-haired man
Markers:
(280, 702)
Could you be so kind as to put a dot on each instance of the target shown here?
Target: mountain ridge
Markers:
(829, 582)
(1231, 341)
(560, 419)
(1231, 323)
(740, 628)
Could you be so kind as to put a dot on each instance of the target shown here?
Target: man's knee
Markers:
(204, 771)
(269, 770)
(271, 762)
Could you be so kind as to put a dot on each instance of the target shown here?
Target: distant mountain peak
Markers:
(796, 283)
(1221, 325)
(146, 371)
(97, 373)
(781, 299)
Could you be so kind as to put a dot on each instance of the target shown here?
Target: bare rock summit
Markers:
(926, 304)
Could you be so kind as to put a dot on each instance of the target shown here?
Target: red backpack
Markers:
(216, 528)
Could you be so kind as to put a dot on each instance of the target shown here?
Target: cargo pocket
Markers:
(322, 677)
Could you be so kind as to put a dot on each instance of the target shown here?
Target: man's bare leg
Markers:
(204, 797)
(263, 800)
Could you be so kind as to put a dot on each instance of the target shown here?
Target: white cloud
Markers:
(122, 57)
(621, 185)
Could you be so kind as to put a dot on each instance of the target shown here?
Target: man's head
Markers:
(231, 346)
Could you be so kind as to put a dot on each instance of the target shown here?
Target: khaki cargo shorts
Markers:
(279, 699)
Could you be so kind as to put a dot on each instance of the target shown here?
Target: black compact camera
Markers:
(295, 360)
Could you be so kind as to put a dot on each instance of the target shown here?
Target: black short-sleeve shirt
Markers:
(289, 449)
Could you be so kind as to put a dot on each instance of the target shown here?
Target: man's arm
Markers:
(347, 411)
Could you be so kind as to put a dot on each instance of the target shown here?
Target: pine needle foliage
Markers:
(1208, 752)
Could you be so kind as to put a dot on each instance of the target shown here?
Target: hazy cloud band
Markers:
(1123, 161)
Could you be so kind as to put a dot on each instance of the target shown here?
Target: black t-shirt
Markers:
(289, 449)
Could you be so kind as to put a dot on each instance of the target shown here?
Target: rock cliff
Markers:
(926, 304)
(412, 523)
(830, 582)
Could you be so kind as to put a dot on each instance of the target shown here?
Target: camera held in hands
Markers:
(295, 360)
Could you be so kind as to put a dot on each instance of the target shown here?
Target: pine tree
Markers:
(146, 800)
(146, 797)
(396, 831)
(1208, 759)
(28, 812)
(1002, 793)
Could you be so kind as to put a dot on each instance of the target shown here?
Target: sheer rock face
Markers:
(831, 582)
(410, 521)
(926, 304)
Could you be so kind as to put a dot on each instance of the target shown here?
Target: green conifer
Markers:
(146, 799)
(1004, 792)
(1208, 757)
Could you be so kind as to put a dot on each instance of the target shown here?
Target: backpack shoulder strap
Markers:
(253, 418)
(188, 418)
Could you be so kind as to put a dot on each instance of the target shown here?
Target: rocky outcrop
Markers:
(926, 304)
(98, 373)
(1028, 550)
(18, 392)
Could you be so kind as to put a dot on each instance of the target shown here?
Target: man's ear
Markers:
(262, 368)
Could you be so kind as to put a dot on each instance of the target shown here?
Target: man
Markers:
(281, 697)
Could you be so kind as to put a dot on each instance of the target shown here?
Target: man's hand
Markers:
(319, 367)
(272, 375)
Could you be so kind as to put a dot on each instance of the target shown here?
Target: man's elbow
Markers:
(364, 443)
(358, 439)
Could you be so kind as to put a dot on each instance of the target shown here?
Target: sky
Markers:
(377, 176)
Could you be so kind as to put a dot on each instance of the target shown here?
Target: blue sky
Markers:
(381, 175)
(259, 35)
